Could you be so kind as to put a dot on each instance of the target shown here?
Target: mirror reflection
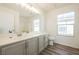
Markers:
(19, 18)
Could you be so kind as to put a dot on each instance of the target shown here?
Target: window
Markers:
(36, 25)
(66, 24)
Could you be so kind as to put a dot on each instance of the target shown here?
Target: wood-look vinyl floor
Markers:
(58, 49)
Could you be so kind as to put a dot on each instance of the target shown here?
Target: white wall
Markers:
(9, 20)
(51, 26)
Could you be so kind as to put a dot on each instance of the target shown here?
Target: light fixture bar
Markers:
(29, 7)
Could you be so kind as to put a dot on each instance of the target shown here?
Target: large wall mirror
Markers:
(6, 22)
(16, 19)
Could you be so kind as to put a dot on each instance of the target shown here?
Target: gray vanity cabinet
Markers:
(32, 46)
(14, 49)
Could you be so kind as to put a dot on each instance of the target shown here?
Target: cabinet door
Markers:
(41, 43)
(14, 49)
(0, 51)
(45, 41)
(32, 46)
(35, 46)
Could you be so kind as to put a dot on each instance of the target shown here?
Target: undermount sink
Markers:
(19, 34)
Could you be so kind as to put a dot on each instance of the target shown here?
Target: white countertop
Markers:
(5, 39)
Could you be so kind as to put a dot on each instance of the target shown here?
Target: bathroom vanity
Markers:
(26, 44)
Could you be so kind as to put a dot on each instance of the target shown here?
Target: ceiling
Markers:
(23, 11)
(44, 7)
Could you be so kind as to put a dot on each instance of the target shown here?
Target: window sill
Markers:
(66, 35)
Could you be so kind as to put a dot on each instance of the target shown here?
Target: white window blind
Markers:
(36, 25)
(66, 24)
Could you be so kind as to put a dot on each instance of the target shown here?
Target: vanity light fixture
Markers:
(27, 6)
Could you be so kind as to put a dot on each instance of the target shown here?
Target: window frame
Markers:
(36, 26)
(68, 35)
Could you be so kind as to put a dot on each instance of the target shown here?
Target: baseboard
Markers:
(65, 45)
